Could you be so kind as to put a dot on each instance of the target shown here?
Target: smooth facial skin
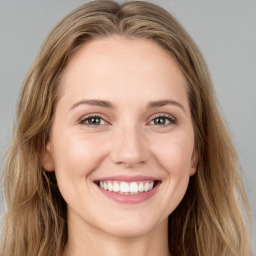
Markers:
(124, 111)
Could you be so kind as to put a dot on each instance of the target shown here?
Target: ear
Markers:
(47, 159)
(194, 162)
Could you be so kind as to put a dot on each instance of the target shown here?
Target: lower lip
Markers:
(130, 199)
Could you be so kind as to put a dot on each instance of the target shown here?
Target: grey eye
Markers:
(161, 121)
(93, 120)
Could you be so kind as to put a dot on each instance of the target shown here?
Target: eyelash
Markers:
(86, 118)
(171, 119)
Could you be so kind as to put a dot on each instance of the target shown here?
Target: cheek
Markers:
(76, 156)
(174, 153)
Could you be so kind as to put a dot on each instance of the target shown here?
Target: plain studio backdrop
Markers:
(225, 31)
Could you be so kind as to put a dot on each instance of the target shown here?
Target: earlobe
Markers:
(47, 159)
(194, 162)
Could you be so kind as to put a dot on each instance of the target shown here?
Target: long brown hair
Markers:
(209, 219)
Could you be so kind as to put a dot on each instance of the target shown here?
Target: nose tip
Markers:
(128, 158)
(129, 149)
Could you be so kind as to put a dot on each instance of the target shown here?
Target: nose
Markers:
(129, 147)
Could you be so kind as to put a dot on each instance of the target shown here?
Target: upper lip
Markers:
(127, 178)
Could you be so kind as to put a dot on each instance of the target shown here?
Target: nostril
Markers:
(129, 152)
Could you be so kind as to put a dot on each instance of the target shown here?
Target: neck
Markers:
(88, 240)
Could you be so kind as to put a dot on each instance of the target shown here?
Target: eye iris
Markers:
(160, 121)
(94, 120)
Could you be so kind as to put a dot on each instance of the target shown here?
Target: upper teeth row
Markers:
(125, 187)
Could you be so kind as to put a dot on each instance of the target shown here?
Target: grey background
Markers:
(224, 30)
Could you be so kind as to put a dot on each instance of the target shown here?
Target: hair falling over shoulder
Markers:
(212, 217)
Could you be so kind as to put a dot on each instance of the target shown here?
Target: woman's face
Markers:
(122, 140)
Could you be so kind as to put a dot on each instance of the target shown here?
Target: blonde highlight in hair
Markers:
(208, 221)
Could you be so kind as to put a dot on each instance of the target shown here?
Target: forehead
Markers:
(125, 67)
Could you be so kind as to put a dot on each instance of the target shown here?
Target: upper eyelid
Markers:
(81, 120)
(162, 114)
(92, 115)
(106, 118)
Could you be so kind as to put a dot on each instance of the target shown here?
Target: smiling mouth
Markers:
(127, 188)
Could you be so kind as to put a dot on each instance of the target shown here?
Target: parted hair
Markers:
(211, 218)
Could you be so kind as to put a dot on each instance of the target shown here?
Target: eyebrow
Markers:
(161, 103)
(107, 104)
(98, 103)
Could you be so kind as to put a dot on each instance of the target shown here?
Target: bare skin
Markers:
(124, 111)
(105, 244)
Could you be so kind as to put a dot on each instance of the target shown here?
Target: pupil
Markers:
(160, 120)
(94, 120)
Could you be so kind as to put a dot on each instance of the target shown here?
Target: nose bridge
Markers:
(129, 145)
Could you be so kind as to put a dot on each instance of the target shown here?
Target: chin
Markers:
(133, 226)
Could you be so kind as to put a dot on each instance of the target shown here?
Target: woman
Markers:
(119, 142)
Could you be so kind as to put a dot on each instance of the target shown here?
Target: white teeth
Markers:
(110, 186)
(124, 187)
(134, 187)
(127, 188)
(116, 187)
(141, 187)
